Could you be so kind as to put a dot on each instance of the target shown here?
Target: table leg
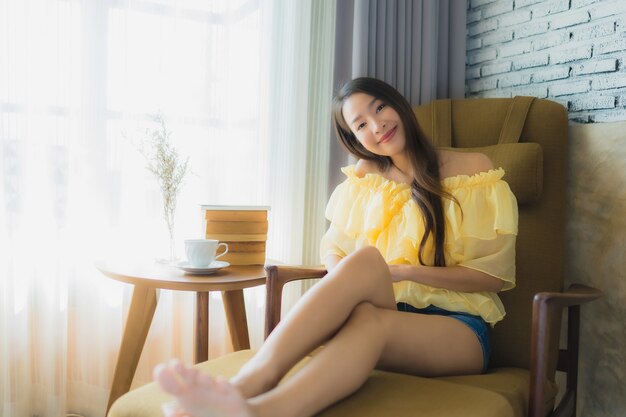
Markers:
(202, 327)
(235, 310)
(142, 307)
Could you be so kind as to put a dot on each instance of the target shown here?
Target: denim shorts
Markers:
(476, 323)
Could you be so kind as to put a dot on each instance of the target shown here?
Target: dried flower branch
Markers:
(169, 169)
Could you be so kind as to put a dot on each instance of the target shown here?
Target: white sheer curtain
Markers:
(79, 81)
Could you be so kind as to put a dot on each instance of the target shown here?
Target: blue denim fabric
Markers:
(476, 323)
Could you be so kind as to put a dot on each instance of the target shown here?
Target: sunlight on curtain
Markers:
(301, 33)
(79, 82)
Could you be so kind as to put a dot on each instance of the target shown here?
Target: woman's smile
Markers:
(388, 136)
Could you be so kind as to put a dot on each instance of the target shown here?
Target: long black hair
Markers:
(426, 187)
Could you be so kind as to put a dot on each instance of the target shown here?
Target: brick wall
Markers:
(570, 51)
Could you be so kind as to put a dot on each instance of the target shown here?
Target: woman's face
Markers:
(376, 125)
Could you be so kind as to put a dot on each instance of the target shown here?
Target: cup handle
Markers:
(225, 250)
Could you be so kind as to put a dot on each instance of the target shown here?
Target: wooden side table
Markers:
(147, 278)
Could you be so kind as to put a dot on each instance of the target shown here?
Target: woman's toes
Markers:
(205, 381)
(168, 379)
(172, 409)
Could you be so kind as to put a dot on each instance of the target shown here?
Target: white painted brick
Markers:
(581, 3)
(515, 48)
(540, 91)
(609, 116)
(593, 67)
(483, 84)
(500, 7)
(610, 81)
(474, 43)
(593, 103)
(530, 61)
(482, 27)
(474, 16)
(594, 31)
(551, 73)
(473, 72)
(607, 8)
(515, 18)
(495, 69)
(578, 117)
(569, 19)
(478, 3)
(514, 78)
(572, 51)
(531, 29)
(550, 40)
(501, 92)
(548, 8)
(482, 56)
(562, 101)
(498, 37)
(524, 3)
(559, 56)
(569, 88)
(610, 46)
(495, 94)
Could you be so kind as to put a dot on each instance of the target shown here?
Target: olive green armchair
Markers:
(528, 138)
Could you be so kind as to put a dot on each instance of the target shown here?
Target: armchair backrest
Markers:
(528, 138)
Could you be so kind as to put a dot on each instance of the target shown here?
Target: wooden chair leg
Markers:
(142, 307)
(235, 310)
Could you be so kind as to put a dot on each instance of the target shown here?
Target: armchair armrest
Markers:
(547, 308)
(277, 277)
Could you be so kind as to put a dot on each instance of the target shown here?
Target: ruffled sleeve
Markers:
(359, 209)
(482, 228)
(335, 242)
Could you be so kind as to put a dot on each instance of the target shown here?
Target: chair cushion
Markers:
(500, 393)
(523, 164)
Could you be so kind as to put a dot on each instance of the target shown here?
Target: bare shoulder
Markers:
(364, 167)
(479, 162)
(463, 163)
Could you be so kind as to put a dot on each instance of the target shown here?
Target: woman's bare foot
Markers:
(198, 394)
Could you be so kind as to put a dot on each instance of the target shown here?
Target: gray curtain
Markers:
(418, 46)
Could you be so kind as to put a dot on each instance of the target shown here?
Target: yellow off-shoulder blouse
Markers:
(480, 233)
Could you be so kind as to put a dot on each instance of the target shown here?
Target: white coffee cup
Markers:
(202, 252)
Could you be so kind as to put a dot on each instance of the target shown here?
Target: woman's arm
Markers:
(455, 278)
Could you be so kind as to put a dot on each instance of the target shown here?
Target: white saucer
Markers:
(205, 270)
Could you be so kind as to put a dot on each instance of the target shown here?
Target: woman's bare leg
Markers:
(332, 374)
(353, 309)
(372, 336)
(361, 277)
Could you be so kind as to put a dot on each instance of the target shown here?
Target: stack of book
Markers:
(243, 228)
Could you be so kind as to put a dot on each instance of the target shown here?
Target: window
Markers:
(79, 83)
